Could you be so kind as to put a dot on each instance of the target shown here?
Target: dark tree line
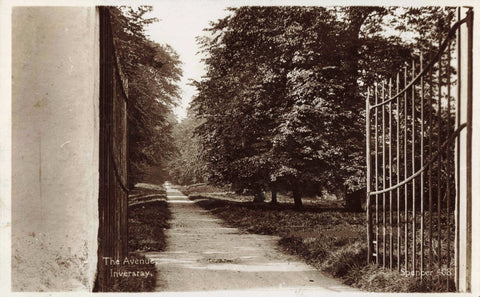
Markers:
(282, 105)
(153, 71)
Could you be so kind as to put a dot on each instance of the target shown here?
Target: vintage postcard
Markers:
(239, 147)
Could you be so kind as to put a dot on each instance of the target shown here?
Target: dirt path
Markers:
(203, 254)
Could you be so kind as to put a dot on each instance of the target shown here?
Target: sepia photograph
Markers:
(236, 147)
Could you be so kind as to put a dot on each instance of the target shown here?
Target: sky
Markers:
(179, 23)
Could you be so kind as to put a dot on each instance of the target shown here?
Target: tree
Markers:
(283, 99)
(186, 167)
(235, 129)
(153, 73)
(269, 46)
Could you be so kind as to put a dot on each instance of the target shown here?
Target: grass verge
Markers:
(146, 225)
(147, 222)
(329, 238)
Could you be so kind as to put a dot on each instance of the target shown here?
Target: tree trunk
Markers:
(259, 196)
(297, 198)
(357, 16)
(274, 196)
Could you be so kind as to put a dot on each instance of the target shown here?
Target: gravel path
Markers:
(202, 254)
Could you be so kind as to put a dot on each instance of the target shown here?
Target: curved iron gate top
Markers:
(419, 169)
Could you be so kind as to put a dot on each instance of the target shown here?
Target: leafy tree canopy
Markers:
(153, 71)
(282, 103)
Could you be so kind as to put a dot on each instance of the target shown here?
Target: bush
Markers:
(343, 260)
(146, 226)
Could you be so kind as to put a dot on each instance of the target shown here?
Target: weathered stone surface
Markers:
(55, 93)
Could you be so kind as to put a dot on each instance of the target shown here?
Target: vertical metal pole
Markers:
(468, 218)
(464, 155)
(376, 178)
(405, 171)
(369, 215)
(457, 151)
(399, 247)
(127, 150)
(384, 182)
(414, 215)
(101, 277)
(448, 161)
(390, 113)
(439, 168)
(421, 165)
(430, 152)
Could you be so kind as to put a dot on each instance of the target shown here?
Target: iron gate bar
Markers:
(422, 175)
(427, 163)
(368, 158)
(430, 151)
(376, 178)
(439, 169)
(442, 47)
(118, 177)
(398, 174)
(448, 163)
(457, 147)
(390, 170)
(414, 230)
(469, 145)
(383, 175)
(406, 169)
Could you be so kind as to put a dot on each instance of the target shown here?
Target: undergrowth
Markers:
(147, 223)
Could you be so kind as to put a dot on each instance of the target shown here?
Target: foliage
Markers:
(186, 167)
(148, 216)
(429, 24)
(153, 72)
(280, 102)
(146, 226)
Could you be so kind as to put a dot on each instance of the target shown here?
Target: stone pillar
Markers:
(55, 91)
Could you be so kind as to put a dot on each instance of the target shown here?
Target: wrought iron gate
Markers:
(419, 138)
(113, 191)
